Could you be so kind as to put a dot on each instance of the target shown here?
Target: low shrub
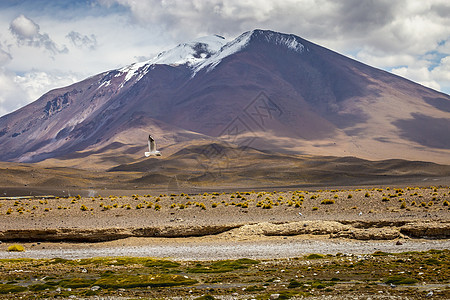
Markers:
(327, 201)
(76, 283)
(133, 281)
(294, 284)
(16, 248)
(314, 256)
(223, 266)
(396, 279)
(41, 287)
(11, 288)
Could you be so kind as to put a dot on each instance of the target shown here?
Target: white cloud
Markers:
(377, 28)
(409, 37)
(24, 28)
(420, 75)
(394, 35)
(5, 57)
(442, 72)
(82, 41)
(19, 90)
(27, 33)
(12, 96)
(34, 82)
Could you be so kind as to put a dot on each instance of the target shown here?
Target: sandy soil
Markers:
(218, 226)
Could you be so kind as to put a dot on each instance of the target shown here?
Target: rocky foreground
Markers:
(382, 243)
(376, 275)
(362, 214)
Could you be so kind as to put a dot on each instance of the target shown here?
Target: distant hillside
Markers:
(267, 90)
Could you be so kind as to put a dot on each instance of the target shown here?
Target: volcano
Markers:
(264, 90)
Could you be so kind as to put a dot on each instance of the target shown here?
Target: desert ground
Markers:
(388, 241)
(230, 227)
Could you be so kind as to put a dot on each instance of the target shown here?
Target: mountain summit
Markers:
(264, 89)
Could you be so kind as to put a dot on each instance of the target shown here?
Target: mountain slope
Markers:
(264, 89)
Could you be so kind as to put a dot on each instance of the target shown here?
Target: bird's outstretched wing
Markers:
(151, 144)
(152, 148)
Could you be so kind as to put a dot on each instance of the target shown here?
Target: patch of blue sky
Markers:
(433, 58)
(62, 9)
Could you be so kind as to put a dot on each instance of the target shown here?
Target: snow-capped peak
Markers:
(228, 49)
(190, 53)
(289, 41)
(206, 52)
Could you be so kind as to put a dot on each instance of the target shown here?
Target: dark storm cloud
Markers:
(394, 35)
(441, 9)
(356, 16)
(316, 19)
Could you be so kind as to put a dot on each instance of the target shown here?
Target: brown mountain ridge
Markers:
(266, 90)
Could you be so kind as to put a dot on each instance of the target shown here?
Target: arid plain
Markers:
(226, 228)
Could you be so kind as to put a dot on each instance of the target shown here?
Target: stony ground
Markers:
(398, 219)
(379, 275)
(226, 209)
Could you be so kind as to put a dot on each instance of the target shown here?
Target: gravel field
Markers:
(196, 249)
(260, 225)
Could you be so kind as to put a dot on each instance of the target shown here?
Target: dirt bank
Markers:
(382, 230)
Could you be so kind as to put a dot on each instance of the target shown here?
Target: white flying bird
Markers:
(152, 148)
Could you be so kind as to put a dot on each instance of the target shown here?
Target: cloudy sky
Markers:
(46, 44)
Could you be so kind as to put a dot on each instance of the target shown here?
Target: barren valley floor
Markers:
(343, 243)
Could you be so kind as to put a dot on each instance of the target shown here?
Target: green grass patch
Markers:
(41, 287)
(314, 256)
(123, 261)
(76, 283)
(205, 297)
(134, 281)
(321, 284)
(294, 284)
(289, 294)
(223, 266)
(380, 253)
(396, 279)
(58, 260)
(254, 288)
(11, 288)
(161, 263)
(432, 261)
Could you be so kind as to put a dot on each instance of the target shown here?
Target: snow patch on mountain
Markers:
(205, 52)
(131, 71)
(289, 41)
(190, 53)
(104, 84)
(227, 50)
